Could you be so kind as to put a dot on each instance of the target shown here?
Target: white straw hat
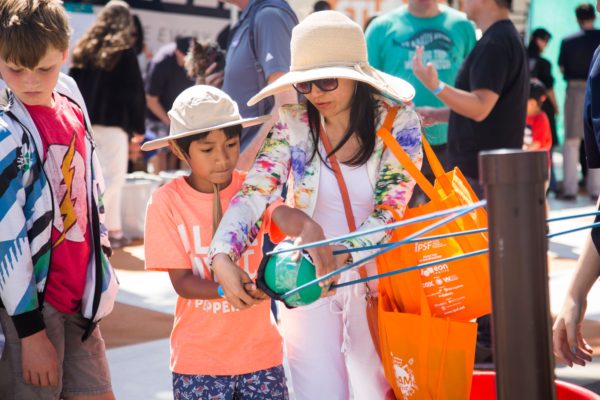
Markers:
(202, 108)
(328, 44)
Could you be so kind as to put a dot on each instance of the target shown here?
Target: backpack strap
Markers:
(265, 105)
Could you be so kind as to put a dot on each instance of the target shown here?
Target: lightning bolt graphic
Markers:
(67, 205)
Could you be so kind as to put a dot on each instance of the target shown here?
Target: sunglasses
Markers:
(325, 85)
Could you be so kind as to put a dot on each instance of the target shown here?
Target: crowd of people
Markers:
(281, 109)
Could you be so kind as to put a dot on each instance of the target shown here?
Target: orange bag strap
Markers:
(434, 161)
(388, 122)
(436, 166)
(407, 164)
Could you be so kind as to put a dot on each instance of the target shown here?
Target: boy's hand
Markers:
(40, 361)
(232, 278)
(255, 292)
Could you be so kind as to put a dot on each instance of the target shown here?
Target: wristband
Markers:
(439, 88)
(220, 291)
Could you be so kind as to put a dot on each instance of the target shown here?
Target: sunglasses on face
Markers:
(325, 85)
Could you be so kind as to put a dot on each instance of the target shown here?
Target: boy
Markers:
(56, 282)
(538, 135)
(217, 350)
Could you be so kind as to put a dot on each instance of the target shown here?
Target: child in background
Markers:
(538, 135)
(216, 349)
(56, 282)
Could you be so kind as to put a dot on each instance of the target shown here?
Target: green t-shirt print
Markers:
(447, 39)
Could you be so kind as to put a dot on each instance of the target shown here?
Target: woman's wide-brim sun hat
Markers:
(199, 109)
(328, 44)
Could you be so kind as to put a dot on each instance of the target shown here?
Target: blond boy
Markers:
(55, 279)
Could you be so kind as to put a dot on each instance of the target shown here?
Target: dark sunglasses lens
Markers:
(303, 87)
(327, 85)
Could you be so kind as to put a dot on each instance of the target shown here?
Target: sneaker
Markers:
(117, 243)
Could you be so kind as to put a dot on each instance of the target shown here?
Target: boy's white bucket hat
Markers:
(202, 108)
(328, 44)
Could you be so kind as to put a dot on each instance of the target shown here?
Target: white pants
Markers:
(112, 146)
(330, 350)
(570, 163)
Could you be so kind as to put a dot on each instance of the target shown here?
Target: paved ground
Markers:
(137, 331)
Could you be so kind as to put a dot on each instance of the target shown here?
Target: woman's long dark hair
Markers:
(363, 115)
(533, 50)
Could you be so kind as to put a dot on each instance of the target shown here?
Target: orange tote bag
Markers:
(426, 358)
(459, 289)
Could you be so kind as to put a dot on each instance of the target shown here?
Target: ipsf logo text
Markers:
(424, 246)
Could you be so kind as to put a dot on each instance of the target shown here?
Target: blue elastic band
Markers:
(395, 225)
(462, 211)
(587, 214)
(594, 225)
(408, 269)
(417, 240)
(220, 291)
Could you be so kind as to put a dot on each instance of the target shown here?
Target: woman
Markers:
(106, 70)
(541, 69)
(329, 346)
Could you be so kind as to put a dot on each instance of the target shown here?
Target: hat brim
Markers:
(391, 86)
(163, 142)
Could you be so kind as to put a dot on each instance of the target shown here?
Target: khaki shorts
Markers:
(82, 366)
(574, 105)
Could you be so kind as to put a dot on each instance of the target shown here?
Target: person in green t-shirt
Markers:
(447, 36)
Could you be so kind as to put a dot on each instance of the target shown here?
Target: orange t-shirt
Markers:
(209, 337)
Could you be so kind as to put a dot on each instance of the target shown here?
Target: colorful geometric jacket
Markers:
(284, 157)
(26, 216)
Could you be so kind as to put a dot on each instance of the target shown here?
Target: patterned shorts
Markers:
(266, 384)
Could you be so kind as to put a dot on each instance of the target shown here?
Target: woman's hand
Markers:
(233, 281)
(322, 256)
(569, 344)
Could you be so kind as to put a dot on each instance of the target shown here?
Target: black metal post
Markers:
(521, 324)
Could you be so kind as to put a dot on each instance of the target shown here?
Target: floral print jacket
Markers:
(285, 155)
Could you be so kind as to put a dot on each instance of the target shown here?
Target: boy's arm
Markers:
(39, 361)
(190, 286)
(164, 250)
(18, 291)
